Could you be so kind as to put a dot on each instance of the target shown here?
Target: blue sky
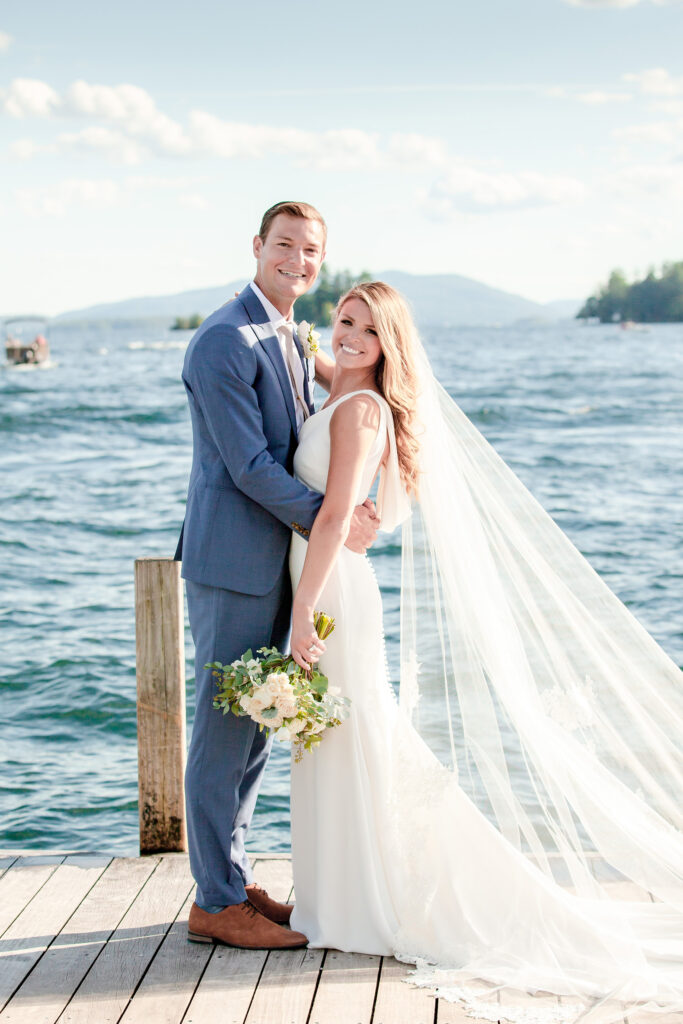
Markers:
(532, 145)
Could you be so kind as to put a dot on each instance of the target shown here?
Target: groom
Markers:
(248, 394)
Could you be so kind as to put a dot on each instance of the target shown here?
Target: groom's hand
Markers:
(364, 527)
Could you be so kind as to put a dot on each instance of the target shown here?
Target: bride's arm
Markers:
(353, 428)
(324, 369)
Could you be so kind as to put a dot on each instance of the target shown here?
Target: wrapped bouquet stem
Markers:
(297, 704)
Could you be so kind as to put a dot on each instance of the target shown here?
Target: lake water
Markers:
(94, 459)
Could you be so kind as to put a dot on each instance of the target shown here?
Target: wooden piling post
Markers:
(160, 669)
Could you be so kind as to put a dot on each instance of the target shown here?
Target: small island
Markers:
(187, 323)
(657, 299)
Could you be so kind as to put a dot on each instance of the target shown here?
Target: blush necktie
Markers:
(296, 372)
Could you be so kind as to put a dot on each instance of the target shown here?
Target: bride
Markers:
(411, 836)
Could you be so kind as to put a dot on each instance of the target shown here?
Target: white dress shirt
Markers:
(277, 320)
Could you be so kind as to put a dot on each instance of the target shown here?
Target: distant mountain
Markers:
(444, 299)
(564, 309)
(201, 300)
(449, 300)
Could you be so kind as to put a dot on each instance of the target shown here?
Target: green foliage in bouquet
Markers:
(297, 704)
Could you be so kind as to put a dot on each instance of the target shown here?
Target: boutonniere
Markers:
(310, 339)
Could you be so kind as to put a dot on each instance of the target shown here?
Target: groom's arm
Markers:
(220, 376)
(324, 369)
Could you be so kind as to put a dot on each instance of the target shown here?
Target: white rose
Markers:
(263, 697)
(287, 706)
(279, 681)
(295, 727)
(246, 703)
(272, 723)
(309, 339)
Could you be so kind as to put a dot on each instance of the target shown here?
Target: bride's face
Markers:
(355, 343)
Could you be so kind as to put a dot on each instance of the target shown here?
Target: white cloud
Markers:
(596, 98)
(29, 97)
(468, 189)
(418, 149)
(55, 200)
(345, 149)
(5, 41)
(663, 181)
(110, 143)
(657, 82)
(232, 139)
(26, 149)
(672, 107)
(130, 107)
(664, 133)
(336, 149)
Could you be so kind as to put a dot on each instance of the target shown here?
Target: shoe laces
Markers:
(250, 909)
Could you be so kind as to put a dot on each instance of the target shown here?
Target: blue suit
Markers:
(242, 505)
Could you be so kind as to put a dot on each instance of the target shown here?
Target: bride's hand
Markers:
(363, 530)
(306, 645)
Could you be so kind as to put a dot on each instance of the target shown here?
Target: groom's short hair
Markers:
(293, 210)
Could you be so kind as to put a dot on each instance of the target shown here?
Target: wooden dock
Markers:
(89, 939)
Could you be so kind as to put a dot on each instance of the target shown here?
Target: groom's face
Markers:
(289, 259)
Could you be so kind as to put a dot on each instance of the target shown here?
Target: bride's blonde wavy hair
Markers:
(396, 374)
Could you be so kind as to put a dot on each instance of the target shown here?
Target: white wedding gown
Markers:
(390, 856)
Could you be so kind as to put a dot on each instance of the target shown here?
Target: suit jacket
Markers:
(242, 501)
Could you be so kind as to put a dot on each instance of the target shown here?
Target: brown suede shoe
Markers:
(259, 898)
(243, 926)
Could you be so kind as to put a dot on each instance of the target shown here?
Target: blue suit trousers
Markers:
(227, 755)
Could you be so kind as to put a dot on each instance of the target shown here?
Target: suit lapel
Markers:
(263, 330)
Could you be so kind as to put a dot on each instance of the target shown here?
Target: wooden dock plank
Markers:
(648, 1018)
(113, 978)
(55, 978)
(398, 1003)
(20, 883)
(43, 917)
(347, 986)
(227, 987)
(287, 987)
(5, 863)
(169, 984)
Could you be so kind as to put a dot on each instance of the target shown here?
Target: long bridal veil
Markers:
(561, 719)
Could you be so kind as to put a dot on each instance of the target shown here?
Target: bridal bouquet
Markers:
(298, 704)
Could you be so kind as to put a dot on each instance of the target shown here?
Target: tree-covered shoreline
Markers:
(318, 306)
(656, 299)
